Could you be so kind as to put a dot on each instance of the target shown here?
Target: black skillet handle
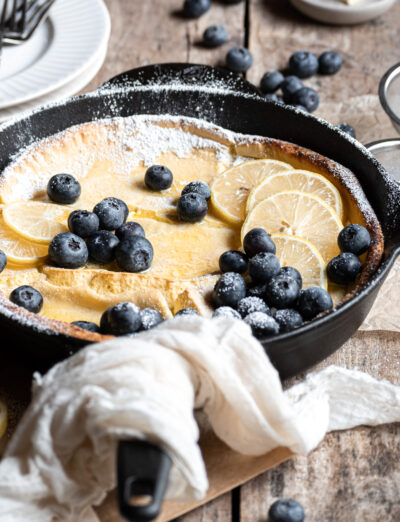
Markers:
(183, 74)
(142, 471)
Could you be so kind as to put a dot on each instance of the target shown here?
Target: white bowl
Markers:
(336, 12)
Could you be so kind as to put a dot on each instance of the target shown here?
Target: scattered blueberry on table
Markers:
(348, 129)
(192, 207)
(286, 510)
(344, 268)
(112, 213)
(271, 81)
(195, 8)
(134, 254)
(330, 62)
(233, 261)
(3, 261)
(63, 189)
(290, 85)
(83, 223)
(87, 325)
(101, 246)
(158, 177)
(239, 59)
(28, 298)
(307, 97)
(68, 250)
(303, 64)
(354, 238)
(215, 35)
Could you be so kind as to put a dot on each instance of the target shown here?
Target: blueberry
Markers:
(104, 325)
(121, 319)
(289, 86)
(264, 266)
(300, 108)
(303, 64)
(215, 35)
(192, 207)
(233, 261)
(282, 291)
(195, 8)
(256, 290)
(186, 311)
(229, 290)
(239, 59)
(112, 213)
(313, 301)
(64, 189)
(3, 261)
(288, 319)
(28, 298)
(87, 325)
(258, 240)
(355, 239)
(271, 81)
(307, 97)
(226, 311)
(197, 187)
(150, 318)
(330, 62)
(68, 250)
(348, 129)
(158, 177)
(129, 229)
(343, 268)
(286, 510)
(262, 325)
(248, 305)
(273, 97)
(134, 254)
(101, 246)
(292, 272)
(83, 223)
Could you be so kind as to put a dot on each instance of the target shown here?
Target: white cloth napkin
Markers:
(61, 460)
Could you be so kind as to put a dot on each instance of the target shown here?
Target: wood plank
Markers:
(354, 475)
(277, 30)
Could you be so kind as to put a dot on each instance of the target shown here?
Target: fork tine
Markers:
(34, 19)
(4, 14)
(22, 21)
(13, 17)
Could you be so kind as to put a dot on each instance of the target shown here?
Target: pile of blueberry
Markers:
(353, 241)
(302, 64)
(273, 301)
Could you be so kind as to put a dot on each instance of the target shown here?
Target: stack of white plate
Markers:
(62, 57)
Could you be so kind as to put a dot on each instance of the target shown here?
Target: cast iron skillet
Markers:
(190, 90)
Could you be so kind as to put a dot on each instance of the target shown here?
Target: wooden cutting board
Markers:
(226, 469)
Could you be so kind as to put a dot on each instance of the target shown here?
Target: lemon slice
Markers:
(303, 255)
(230, 190)
(302, 180)
(3, 417)
(36, 220)
(17, 249)
(298, 214)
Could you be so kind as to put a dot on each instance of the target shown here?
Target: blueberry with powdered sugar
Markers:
(3, 261)
(264, 266)
(63, 189)
(292, 272)
(121, 319)
(233, 261)
(129, 229)
(248, 305)
(150, 318)
(288, 319)
(229, 290)
(186, 311)
(256, 290)
(112, 213)
(262, 325)
(282, 292)
(197, 187)
(226, 311)
(101, 246)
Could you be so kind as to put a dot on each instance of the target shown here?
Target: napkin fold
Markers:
(61, 460)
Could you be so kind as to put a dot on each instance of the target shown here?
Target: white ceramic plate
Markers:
(336, 12)
(62, 93)
(60, 51)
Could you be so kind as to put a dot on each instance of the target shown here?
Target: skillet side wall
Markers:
(292, 352)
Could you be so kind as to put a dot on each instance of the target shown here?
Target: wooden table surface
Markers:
(355, 475)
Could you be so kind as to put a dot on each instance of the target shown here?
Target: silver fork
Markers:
(7, 22)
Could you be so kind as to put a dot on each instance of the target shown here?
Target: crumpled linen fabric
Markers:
(61, 460)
